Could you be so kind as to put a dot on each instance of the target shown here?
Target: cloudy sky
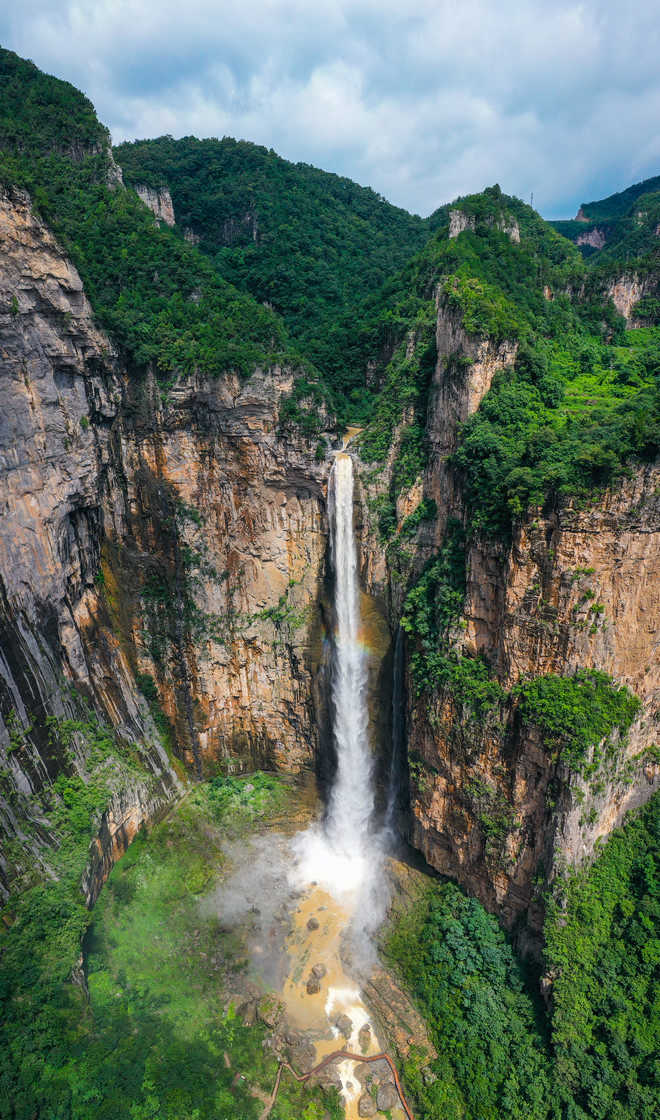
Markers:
(422, 101)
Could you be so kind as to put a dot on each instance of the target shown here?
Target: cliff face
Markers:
(171, 545)
(626, 292)
(159, 202)
(214, 561)
(491, 804)
(162, 557)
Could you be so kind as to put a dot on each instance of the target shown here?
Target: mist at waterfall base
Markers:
(345, 853)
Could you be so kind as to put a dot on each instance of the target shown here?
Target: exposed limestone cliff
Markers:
(625, 293)
(492, 805)
(214, 563)
(57, 377)
(160, 202)
(595, 238)
(464, 371)
(179, 539)
(459, 221)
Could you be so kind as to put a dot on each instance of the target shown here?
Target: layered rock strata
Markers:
(491, 804)
(152, 547)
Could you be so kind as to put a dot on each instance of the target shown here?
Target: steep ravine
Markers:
(491, 805)
(163, 553)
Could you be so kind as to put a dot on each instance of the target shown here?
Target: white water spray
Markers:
(338, 855)
(351, 802)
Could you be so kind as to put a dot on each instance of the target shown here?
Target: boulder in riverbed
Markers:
(344, 1025)
(367, 1105)
(386, 1097)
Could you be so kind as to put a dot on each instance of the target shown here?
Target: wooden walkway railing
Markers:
(334, 1057)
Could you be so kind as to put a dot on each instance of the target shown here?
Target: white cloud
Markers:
(422, 103)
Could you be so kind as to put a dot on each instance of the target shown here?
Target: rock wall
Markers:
(215, 561)
(595, 238)
(491, 805)
(128, 810)
(173, 546)
(159, 202)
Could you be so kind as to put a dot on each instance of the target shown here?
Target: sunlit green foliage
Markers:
(492, 1063)
(603, 949)
(562, 423)
(240, 802)
(577, 713)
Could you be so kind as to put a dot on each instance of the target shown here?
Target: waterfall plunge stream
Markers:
(328, 882)
(342, 855)
(340, 861)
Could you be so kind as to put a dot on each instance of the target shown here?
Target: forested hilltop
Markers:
(578, 401)
(162, 301)
(309, 243)
(620, 228)
(163, 617)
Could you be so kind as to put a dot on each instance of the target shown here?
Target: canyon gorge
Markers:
(213, 567)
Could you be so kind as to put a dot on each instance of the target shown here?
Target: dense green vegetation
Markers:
(45, 920)
(577, 713)
(310, 243)
(603, 947)
(616, 205)
(562, 423)
(492, 1062)
(40, 114)
(161, 299)
(627, 222)
(151, 1038)
(595, 1057)
(582, 399)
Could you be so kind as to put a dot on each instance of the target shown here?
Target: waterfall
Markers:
(340, 854)
(351, 801)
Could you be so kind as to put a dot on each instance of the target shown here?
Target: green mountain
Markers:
(579, 403)
(309, 243)
(619, 228)
(161, 299)
(619, 204)
(513, 774)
